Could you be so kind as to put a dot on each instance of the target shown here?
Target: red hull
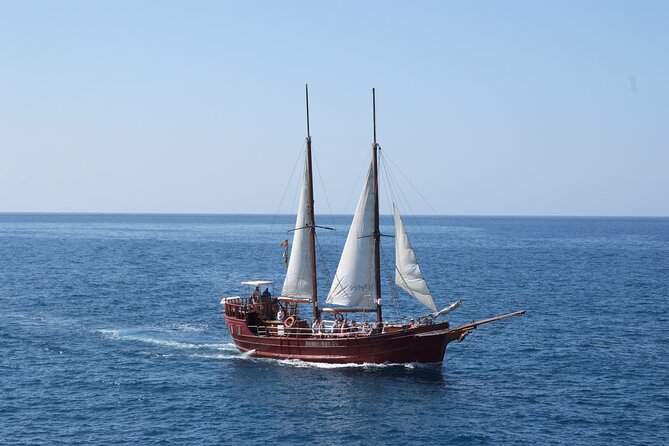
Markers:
(424, 344)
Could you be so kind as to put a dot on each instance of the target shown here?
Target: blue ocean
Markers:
(111, 333)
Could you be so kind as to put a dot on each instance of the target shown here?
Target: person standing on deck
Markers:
(316, 326)
(255, 296)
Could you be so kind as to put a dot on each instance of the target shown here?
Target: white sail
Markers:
(298, 281)
(407, 271)
(354, 280)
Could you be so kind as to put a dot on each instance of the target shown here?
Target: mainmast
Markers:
(311, 223)
(377, 232)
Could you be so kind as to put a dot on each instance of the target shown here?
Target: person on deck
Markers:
(266, 293)
(316, 326)
(344, 326)
(255, 296)
(280, 314)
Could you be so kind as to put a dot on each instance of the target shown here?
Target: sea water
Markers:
(111, 333)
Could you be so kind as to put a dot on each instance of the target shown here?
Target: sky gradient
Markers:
(491, 108)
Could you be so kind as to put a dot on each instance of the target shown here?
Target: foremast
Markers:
(311, 219)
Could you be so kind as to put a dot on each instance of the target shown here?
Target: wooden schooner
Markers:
(273, 328)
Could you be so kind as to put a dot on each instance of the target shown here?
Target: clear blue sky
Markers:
(511, 108)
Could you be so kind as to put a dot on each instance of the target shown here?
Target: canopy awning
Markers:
(258, 282)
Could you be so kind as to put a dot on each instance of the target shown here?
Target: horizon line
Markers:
(261, 214)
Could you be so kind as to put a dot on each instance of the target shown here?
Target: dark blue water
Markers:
(110, 333)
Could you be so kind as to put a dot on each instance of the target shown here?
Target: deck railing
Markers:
(239, 308)
(280, 330)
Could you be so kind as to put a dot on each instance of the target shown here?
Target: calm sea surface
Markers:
(111, 333)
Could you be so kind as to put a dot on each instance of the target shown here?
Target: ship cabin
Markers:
(263, 313)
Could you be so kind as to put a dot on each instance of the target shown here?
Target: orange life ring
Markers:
(339, 317)
(290, 321)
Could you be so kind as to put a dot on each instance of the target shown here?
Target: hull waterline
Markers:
(425, 344)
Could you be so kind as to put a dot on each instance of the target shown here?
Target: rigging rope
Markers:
(395, 297)
(414, 187)
(325, 269)
(358, 182)
(399, 197)
(396, 194)
(327, 201)
(268, 234)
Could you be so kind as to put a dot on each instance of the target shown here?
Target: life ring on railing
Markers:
(290, 322)
(339, 317)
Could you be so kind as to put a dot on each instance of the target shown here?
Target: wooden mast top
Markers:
(310, 212)
(377, 232)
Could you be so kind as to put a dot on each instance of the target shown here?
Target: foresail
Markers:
(408, 275)
(298, 281)
(353, 281)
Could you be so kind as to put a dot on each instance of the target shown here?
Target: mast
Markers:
(377, 232)
(312, 223)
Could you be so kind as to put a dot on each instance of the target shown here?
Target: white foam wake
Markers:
(197, 328)
(366, 365)
(148, 337)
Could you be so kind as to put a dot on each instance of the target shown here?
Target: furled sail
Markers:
(353, 282)
(298, 281)
(407, 271)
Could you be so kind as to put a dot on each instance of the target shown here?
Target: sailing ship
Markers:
(269, 327)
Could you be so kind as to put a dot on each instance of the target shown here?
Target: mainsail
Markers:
(407, 271)
(354, 279)
(298, 281)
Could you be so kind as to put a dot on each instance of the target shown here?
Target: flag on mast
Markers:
(284, 244)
